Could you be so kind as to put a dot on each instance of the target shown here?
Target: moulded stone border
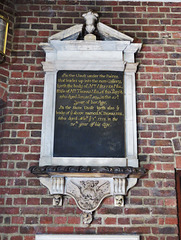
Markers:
(86, 237)
(119, 56)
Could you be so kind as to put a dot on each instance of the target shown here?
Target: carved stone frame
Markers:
(119, 57)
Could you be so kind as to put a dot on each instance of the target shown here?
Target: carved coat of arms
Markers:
(89, 193)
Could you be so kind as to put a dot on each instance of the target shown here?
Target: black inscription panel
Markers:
(89, 114)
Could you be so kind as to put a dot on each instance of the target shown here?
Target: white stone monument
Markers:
(90, 48)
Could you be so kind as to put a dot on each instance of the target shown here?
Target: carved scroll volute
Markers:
(119, 191)
(56, 186)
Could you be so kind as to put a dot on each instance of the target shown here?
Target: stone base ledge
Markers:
(85, 237)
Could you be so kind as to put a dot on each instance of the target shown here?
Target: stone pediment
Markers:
(106, 33)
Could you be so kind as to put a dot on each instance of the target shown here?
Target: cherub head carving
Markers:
(90, 20)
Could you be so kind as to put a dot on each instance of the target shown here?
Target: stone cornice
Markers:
(88, 170)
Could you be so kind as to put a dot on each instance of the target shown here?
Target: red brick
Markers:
(156, 69)
(17, 238)
(159, 90)
(9, 210)
(149, 105)
(136, 211)
(9, 229)
(33, 201)
(29, 237)
(170, 202)
(17, 220)
(159, 120)
(35, 149)
(147, 150)
(30, 191)
(174, 105)
(32, 157)
(153, 28)
(152, 9)
(7, 173)
(20, 201)
(160, 143)
(171, 221)
(16, 74)
(124, 221)
(31, 220)
(108, 201)
(110, 230)
(1, 201)
(23, 134)
(146, 134)
(160, 175)
(149, 184)
(34, 210)
(46, 201)
(46, 220)
(27, 230)
(14, 89)
(74, 220)
(167, 150)
(60, 229)
(25, 118)
(164, 9)
(144, 230)
(156, 55)
(165, 230)
(110, 221)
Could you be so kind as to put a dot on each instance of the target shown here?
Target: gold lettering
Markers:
(89, 99)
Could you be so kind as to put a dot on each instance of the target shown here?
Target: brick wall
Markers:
(150, 210)
(8, 11)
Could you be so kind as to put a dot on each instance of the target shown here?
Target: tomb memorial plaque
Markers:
(89, 143)
(89, 114)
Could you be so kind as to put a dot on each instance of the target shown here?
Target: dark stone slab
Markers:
(89, 114)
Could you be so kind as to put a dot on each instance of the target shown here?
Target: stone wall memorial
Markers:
(27, 208)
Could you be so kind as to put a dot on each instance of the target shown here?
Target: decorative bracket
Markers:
(88, 192)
